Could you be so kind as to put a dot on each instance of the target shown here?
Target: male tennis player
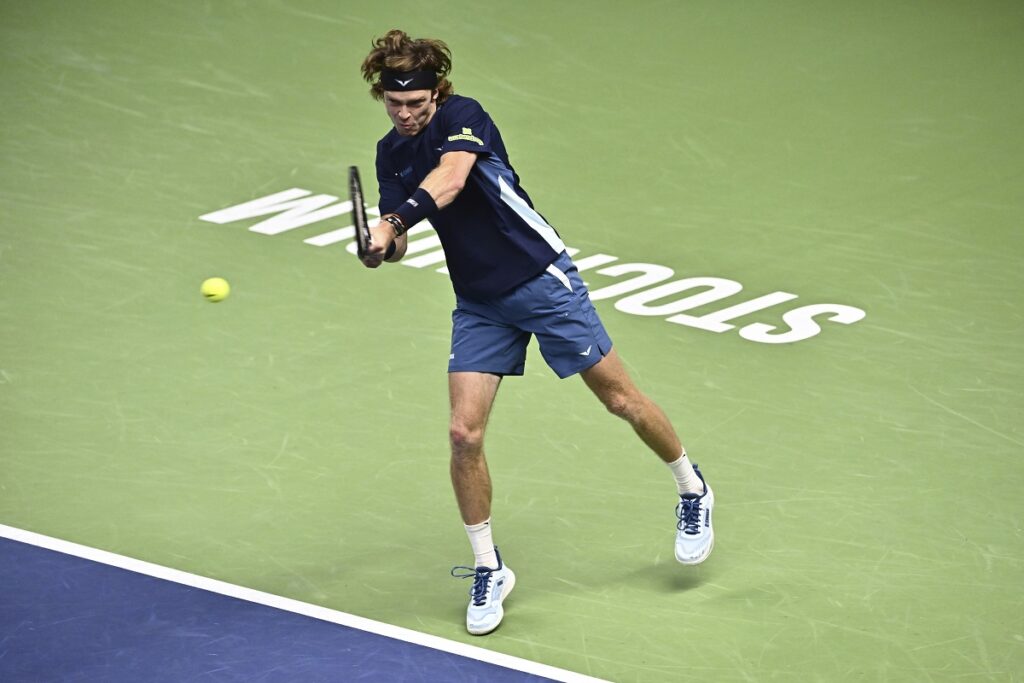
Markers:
(445, 160)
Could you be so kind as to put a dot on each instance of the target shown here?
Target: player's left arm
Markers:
(446, 181)
(439, 188)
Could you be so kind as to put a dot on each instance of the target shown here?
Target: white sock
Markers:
(686, 479)
(483, 546)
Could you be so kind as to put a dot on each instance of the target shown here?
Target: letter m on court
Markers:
(293, 208)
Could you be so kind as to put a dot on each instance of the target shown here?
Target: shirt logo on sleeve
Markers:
(467, 134)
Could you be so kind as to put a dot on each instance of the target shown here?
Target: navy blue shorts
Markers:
(555, 306)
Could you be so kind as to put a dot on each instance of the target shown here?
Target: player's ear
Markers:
(433, 95)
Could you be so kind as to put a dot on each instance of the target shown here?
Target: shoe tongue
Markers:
(689, 496)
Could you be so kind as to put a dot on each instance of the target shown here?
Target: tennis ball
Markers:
(215, 289)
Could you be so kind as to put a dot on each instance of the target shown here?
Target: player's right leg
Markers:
(483, 350)
(472, 395)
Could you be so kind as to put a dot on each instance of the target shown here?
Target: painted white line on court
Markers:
(294, 606)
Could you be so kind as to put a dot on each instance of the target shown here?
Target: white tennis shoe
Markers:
(695, 536)
(490, 588)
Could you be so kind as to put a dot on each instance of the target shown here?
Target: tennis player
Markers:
(445, 160)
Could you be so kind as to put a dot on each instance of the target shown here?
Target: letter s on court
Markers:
(802, 324)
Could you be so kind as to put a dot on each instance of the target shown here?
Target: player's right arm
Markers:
(382, 234)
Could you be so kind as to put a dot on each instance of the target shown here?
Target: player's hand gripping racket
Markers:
(355, 191)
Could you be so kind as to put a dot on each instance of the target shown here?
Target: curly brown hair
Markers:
(396, 50)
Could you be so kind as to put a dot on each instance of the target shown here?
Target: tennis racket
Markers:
(355, 192)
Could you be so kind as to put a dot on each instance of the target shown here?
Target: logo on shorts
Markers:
(587, 352)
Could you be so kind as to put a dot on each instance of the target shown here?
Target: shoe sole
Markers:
(511, 583)
(690, 563)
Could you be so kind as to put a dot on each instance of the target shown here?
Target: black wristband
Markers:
(417, 207)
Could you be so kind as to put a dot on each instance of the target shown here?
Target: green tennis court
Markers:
(856, 170)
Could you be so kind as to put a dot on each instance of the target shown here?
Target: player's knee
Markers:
(621, 404)
(464, 439)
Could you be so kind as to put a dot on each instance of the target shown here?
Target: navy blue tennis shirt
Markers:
(493, 238)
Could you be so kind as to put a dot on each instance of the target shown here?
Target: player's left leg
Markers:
(611, 383)
(556, 307)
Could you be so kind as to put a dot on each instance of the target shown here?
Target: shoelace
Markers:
(688, 512)
(481, 581)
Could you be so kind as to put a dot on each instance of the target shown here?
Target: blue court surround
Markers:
(64, 618)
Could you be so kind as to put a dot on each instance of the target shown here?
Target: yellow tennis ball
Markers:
(215, 289)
